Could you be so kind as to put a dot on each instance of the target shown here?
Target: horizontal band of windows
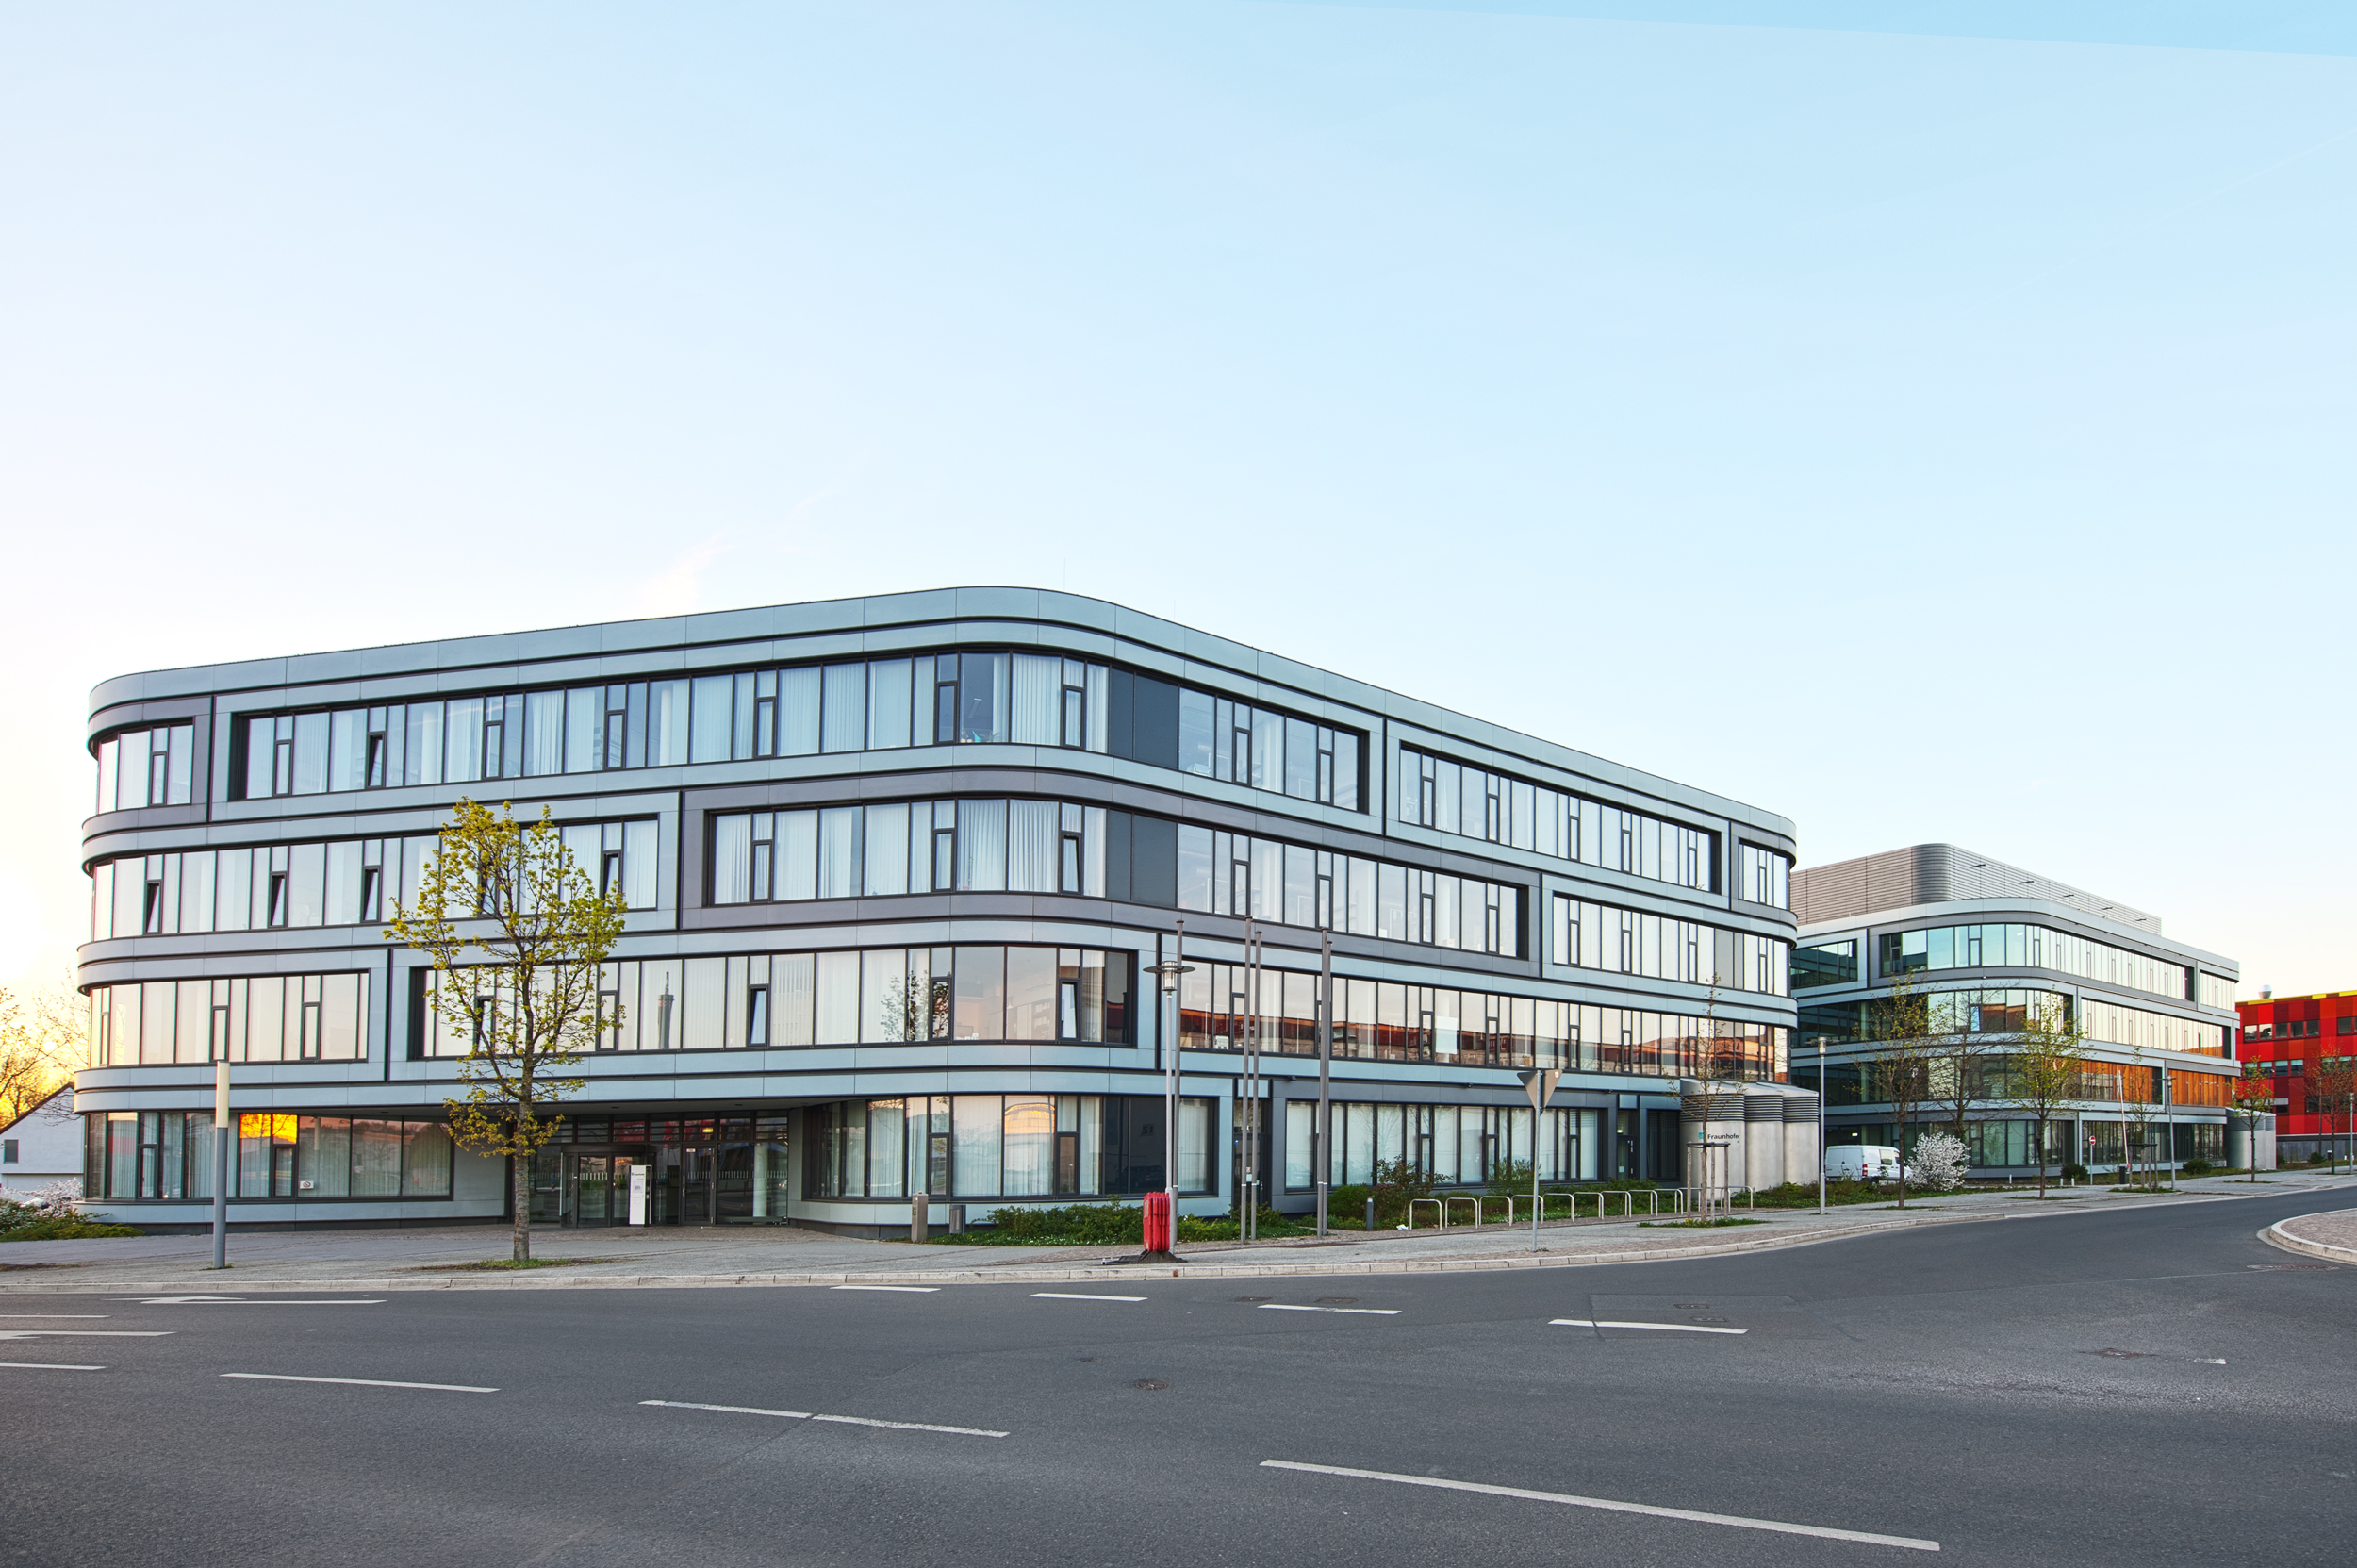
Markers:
(1988, 1078)
(2068, 1139)
(1383, 1021)
(346, 882)
(1456, 797)
(2020, 945)
(856, 997)
(261, 1018)
(1454, 1146)
(1620, 941)
(1023, 846)
(807, 710)
(1003, 1146)
(168, 1155)
(146, 767)
(2009, 1011)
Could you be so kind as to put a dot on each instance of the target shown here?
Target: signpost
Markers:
(637, 1192)
(1538, 1082)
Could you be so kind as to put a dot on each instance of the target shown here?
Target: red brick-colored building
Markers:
(2292, 1035)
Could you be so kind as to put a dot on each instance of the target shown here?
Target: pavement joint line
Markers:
(1611, 1323)
(838, 1420)
(913, 1290)
(53, 1366)
(1364, 1312)
(359, 1382)
(1779, 1526)
(1075, 1296)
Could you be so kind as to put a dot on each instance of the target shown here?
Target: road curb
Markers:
(2275, 1235)
(567, 1279)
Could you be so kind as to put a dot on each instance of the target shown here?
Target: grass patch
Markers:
(1695, 1224)
(490, 1266)
(1105, 1224)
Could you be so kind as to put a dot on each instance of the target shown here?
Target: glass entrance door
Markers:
(602, 1189)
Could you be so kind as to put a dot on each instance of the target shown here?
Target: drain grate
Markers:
(1151, 1384)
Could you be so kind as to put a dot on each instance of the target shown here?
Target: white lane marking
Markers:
(86, 1333)
(361, 1382)
(55, 1367)
(1370, 1312)
(1736, 1520)
(266, 1301)
(912, 1290)
(1670, 1328)
(840, 1420)
(91, 1315)
(1067, 1295)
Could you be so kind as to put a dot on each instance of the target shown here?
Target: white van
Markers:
(1862, 1162)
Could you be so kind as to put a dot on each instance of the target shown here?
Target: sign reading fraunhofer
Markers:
(637, 1195)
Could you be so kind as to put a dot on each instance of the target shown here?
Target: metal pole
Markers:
(1821, 1126)
(1325, 1063)
(1248, 1201)
(1170, 1087)
(220, 1164)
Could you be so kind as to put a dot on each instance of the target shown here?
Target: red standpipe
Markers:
(1157, 1222)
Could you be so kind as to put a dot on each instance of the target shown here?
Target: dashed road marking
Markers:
(1368, 1311)
(1669, 1328)
(359, 1382)
(1069, 1295)
(838, 1420)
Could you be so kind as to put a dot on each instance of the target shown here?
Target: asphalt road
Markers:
(2148, 1388)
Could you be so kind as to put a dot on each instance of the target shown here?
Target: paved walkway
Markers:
(780, 1255)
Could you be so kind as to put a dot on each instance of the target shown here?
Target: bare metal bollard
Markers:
(1370, 1213)
(920, 1228)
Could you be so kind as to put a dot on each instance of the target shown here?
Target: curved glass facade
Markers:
(868, 955)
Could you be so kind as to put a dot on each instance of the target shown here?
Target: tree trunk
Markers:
(2039, 1153)
(520, 1191)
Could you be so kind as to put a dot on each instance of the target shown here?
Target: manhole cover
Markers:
(1149, 1384)
(1336, 1301)
(2121, 1355)
(1252, 1299)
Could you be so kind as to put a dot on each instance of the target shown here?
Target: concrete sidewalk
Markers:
(730, 1255)
(2332, 1236)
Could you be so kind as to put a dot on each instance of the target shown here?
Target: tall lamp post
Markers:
(1170, 969)
(220, 1161)
(1318, 1144)
(1821, 1125)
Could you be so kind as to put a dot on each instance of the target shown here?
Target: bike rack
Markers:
(1570, 1202)
(1436, 1203)
(1460, 1197)
(1492, 1197)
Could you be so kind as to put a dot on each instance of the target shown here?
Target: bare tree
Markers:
(2254, 1096)
(1955, 1077)
(2333, 1084)
(2139, 1097)
(43, 1037)
(529, 1003)
(2045, 1068)
(1908, 1042)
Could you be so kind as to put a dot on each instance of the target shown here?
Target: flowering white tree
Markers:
(1940, 1161)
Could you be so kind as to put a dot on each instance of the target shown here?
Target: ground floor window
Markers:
(1458, 1145)
(168, 1155)
(1002, 1146)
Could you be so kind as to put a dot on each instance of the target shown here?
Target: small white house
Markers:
(41, 1148)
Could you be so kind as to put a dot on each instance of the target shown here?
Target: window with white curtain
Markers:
(983, 845)
(1033, 846)
(1037, 717)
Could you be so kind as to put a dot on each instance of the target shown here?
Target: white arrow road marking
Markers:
(841, 1420)
(1779, 1526)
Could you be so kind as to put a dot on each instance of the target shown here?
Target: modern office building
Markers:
(897, 868)
(1990, 942)
(2292, 1037)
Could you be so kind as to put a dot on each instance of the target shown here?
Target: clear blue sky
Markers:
(1927, 421)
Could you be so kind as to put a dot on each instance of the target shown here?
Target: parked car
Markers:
(1863, 1162)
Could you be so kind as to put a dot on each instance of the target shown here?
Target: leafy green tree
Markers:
(516, 931)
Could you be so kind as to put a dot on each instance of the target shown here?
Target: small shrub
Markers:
(2199, 1166)
(2074, 1172)
(1940, 1161)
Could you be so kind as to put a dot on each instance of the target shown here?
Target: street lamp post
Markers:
(1170, 969)
(1325, 1061)
(221, 1162)
(1821, 1126)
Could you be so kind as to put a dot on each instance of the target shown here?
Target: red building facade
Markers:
(2293, 1038)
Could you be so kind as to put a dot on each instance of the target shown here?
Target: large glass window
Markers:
(2022, 945)
(260, 1018)
(146, 767)
(1634, 942)
(1456, 797)
(1031, 1146)
(947, 699)
(167, 1156)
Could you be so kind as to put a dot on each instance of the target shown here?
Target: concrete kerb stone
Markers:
(569, 1280)
(2276, 1236)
